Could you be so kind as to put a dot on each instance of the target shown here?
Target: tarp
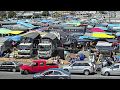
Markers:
(31, 34)
(118, 34)
(102, 43)
(44, 21)
(103, 28)
(84, 40)
(111, 40)
(113, 25)
(97, 30)
(15, 32)
(4, 31)
(102, 35)
(3, 39)
(50, 35)
(14, 38)
(87, 37)
(26, 24)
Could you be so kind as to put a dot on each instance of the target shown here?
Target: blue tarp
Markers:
(113, 25)
(14, 38)
(44, 21)
(118, 34)
(103, 28)
(87, 37)
(26, 24)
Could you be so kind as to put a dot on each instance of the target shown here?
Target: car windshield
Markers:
(44, 47)
(24, 47)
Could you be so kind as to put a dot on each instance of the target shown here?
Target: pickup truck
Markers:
(37, 66)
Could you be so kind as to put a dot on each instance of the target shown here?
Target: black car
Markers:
(54, 73)
(10, 66)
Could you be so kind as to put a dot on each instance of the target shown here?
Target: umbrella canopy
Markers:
(102, 35)
(4, 31)
(97, 30)
(15, 32)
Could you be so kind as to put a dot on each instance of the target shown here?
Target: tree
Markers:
(45, 13)
(11, 14)
(3, 14)
(56, 15)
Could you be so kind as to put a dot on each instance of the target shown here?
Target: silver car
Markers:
(85, 67)
(111, 70)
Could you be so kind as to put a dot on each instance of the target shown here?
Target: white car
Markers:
(111, 70)
(85, 67)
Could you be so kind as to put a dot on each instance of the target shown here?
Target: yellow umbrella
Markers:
(102, 35)
(15, 32)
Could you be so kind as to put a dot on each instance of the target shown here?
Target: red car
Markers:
(37, 66)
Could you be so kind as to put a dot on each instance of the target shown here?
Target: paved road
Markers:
(17, 75)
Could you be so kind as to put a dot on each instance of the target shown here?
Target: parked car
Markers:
(85, 67)
(111, 70)
(10, 66)
(54, 73)
(37, 66)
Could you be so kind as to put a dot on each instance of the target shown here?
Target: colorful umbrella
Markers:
(97, 30)
(102, 35)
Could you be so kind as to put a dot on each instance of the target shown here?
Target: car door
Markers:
(115, 70)
(48, 75)
(75, 68)
(3, 66)
(57, 75)
(38, 67)
(34, 67)
(9, 65)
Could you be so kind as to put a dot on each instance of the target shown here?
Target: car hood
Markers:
(65, 66)
(106, 68)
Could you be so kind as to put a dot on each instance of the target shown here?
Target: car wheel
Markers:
(13, 70)
(106, 73)
(86, 72)
(26, 72)
(60, 78)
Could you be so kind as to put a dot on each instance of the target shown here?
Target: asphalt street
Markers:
(17, 75)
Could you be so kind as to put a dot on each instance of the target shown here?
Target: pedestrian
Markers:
(100, 57)
(82, 57)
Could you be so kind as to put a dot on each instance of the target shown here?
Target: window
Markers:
(86, 64)
(34, 64)
(116, 66)
(76, 64)
(9, 63)
(42, 64)
(57, 73)
(48, 73)
(4, 63)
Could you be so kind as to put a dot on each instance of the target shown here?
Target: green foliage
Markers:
(3, 14)
(45, 13)
(11, 14)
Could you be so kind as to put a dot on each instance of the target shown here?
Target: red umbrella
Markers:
(97, 30)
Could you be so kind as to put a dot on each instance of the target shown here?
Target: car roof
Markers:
(117, 63)
(59, 69)
(83, 61)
